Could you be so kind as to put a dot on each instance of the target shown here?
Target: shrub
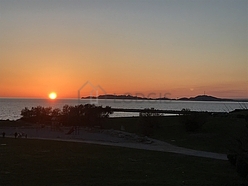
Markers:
(238, 155)
(246, 120)
(193, 121)
(148, 121)
(242, 165)
(232, 158)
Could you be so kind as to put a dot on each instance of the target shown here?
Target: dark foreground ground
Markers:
(216, 134)
(41, 162)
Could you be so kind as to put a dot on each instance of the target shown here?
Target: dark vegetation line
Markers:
(92, 115)
(87, 115)
(183, 111)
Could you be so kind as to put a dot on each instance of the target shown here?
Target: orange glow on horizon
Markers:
(70, 90)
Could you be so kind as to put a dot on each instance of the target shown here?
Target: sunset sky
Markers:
(177, 48)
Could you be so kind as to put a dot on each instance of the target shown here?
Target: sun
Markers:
(52, 95)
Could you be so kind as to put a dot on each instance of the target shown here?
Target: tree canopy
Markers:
(80, 115)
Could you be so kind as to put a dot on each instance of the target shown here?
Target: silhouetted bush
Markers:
(238, 155)
(232, 158)
(193, 121)
(92, 115)
(246, 120)
(242, 165)
(148, 121)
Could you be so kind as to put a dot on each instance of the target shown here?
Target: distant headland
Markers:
(130, 97)
(204, 98)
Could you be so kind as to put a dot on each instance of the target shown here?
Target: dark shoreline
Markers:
(173, 113)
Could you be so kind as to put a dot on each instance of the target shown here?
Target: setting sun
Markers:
(52, 95)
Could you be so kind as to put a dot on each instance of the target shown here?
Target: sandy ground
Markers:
(105, 137)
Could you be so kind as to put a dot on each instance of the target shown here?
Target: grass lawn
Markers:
(216, 134)
(13, 123)
(41, 162)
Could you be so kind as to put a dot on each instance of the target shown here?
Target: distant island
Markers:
(130, 97)
(111, 96)
(204, 98)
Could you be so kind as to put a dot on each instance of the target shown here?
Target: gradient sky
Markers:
(175, 48)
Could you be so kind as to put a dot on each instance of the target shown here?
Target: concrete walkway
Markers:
(157, 146)
(109, 138)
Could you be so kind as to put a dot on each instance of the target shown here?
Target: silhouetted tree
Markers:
(84, 115)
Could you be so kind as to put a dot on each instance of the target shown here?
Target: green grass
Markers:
(216, 134)
(38, 162)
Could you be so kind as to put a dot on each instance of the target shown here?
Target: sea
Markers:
(10, 109)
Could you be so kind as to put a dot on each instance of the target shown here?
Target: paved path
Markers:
(104, 138)
(157, 146)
